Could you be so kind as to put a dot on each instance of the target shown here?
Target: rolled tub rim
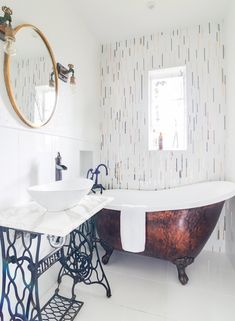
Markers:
(178, 198)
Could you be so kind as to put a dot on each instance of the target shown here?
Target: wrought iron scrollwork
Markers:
(82, 261)
(19, 303)
(21, 264)
(47, 262)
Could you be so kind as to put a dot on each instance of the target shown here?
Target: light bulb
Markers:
(72, 80)
(9, 46)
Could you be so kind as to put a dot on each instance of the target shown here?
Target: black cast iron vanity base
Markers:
(22, 268)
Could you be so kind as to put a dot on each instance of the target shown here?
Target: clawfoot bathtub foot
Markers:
(181, 265)
(108, 252)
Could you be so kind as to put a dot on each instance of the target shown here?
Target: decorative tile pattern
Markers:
(124, 105)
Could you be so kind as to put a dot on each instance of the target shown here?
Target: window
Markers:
(43, 103)
(167, 109)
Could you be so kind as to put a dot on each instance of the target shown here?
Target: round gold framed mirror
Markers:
(31, 77)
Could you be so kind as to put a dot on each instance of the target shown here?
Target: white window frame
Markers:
(161, 74)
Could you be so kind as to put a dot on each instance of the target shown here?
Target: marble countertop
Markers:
(32, 217)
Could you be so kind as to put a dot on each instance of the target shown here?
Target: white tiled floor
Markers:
(147, 289)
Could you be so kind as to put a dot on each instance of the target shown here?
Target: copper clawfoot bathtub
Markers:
(177, 235)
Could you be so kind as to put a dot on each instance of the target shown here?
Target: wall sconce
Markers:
(7, 33)
(63, 74)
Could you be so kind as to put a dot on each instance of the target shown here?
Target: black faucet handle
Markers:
(90, 171)
(59, 167)
(58, 158)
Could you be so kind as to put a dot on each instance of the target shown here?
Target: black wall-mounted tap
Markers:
(95, 173)
(59, 168)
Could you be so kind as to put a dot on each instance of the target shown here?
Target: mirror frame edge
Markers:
(7, 60)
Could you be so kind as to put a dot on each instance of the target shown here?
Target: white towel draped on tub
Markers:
(133, 229)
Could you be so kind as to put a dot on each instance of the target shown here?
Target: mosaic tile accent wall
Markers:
(124, 105)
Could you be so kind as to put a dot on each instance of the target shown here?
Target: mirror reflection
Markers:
(28, 77)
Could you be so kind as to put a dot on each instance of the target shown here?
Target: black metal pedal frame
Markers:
(22, 268)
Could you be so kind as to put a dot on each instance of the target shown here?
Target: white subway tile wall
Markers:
(124, 104)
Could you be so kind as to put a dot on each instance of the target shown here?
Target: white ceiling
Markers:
(112, 20)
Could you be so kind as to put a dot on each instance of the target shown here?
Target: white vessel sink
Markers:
(62, 195)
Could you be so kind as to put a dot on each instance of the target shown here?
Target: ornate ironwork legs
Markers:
(82, 261)
(22, 267)
(19, 298)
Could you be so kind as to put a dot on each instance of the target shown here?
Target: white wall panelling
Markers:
(27, 156)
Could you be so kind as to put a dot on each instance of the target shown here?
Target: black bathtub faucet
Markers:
(94, 174)
(59, 168)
